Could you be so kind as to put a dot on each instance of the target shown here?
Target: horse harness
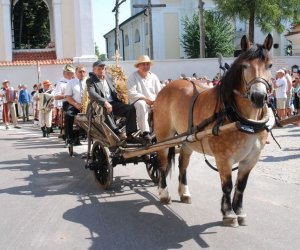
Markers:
(230, 112)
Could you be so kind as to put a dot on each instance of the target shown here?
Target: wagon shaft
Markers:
(290, 120)
(178, 140)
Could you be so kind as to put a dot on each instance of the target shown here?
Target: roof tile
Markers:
(21, 58)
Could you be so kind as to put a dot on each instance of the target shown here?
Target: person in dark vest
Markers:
(101, 89)
(45, 107)
(9, 97)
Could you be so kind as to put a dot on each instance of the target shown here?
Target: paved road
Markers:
(49, 201)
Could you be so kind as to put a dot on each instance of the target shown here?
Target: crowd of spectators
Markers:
(20, 103)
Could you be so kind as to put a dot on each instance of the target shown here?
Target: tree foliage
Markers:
(218, 35)
(31, 24)
(267, 14)
(97, 52)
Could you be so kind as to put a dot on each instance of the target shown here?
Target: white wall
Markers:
(163, 69)
(166, 69)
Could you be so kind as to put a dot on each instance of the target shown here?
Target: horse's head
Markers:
(250, 74)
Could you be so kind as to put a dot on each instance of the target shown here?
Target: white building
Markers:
(71, 31)
(167, 31)
(294, 37)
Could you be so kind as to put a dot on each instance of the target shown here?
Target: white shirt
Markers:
(107, 91)
(281, 88)
(74, 90)
(289, 83)
(60, 89)
(142, 87)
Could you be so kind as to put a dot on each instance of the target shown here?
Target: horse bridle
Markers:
(250, 83)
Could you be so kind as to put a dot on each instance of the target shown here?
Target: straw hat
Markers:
(143, 59)
(46, 83)
(280, 71)
(69, 68)
(5, 81)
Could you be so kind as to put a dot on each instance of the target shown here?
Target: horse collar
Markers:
(247, 125)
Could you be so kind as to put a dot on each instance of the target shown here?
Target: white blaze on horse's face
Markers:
(257, 76)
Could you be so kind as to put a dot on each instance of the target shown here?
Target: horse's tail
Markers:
(171, 159)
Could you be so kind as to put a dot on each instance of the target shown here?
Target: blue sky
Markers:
(104, 19)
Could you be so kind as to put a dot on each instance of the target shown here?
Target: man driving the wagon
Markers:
(143, 87)
(101, 89)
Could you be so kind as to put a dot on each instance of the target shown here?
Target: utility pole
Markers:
(149, 7)
(117, 30)
(201, 30)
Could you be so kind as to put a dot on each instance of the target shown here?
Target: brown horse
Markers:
(241, 96)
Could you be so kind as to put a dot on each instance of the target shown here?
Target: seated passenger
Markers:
(101, 89)
(143, 87)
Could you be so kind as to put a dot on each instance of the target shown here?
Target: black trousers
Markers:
(70, 113)
(122, 110)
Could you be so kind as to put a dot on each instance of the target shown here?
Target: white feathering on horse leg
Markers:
(164, 195)
(184, 193)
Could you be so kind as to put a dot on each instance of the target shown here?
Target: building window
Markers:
(240, 26)
(137, 36)
(126, 40)
(146, 29)
(30, 24)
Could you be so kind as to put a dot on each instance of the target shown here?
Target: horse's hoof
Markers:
(164, 196)
(230, 221)
(186, 199)
(165, 201)
(242, 220)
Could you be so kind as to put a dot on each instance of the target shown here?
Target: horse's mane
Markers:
(234, 76)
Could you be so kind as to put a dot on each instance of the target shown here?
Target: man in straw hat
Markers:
(74, 94)
(143, 87)
(101, 89)
(9, 96)
(59, 93)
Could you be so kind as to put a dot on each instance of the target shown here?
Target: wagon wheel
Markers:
(152, 168)
(103, 169)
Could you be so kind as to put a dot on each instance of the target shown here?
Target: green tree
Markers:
(103, 57)
(190, 37)
(97, 52)
(267, 14)
(218, 35)
(31, 24)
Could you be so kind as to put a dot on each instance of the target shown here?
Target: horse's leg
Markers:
(164, 196)
(237, 202)
(183, 189)
(229, 217)
(245, 167)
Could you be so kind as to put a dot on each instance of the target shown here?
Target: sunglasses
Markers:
(82, 71)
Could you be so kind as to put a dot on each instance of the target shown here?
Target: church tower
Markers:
(71, 33)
